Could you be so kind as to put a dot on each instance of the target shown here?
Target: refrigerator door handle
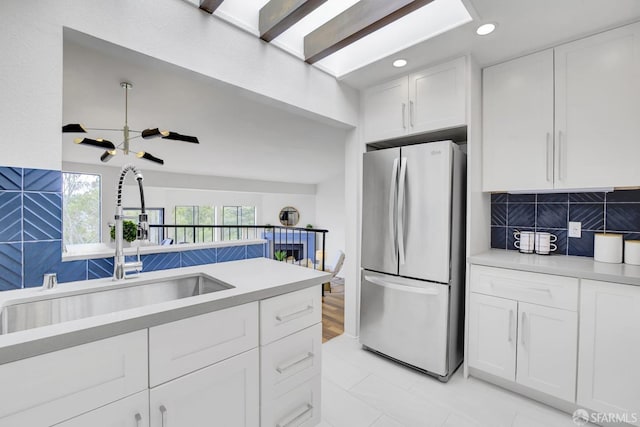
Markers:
(401, 194)
(386, 284)
(392, 206)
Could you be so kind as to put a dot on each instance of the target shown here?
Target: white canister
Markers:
(607, 247)
(632, 252)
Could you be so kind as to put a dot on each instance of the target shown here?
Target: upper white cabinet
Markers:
(517, 109)
(608, 373)
(565, 126)
(598, 110)
(429, 100)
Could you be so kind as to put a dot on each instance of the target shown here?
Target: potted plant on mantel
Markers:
(129, 231)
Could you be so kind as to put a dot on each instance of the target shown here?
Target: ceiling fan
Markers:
(111, 148)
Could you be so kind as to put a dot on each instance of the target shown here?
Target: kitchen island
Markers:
(248, 354)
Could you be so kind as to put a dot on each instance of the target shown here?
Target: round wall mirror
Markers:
(289, 216)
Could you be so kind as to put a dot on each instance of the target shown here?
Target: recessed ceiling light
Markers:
(399, 63)
(485, 29)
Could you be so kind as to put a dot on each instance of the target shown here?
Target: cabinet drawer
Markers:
(47, 389)
(132, 411)
(288, 362)
(298, 408)
(535, 288)
(285, 314)
(186, 345)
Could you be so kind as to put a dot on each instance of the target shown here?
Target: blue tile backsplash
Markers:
(617, 211)
(31, 236)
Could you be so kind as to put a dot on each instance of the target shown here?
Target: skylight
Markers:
(425, 23)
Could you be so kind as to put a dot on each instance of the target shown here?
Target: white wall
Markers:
(170, 30)
(330, 214)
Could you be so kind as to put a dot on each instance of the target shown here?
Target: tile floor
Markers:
(362, 389)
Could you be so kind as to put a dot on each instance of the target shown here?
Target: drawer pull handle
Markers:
(307, 408)
(295, 315)
(283, 369)
(138, 418)
(524, 320)
(163, 412)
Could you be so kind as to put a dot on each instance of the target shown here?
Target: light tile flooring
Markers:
(362, 389)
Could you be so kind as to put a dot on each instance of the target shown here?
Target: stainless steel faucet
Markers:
(120, 267)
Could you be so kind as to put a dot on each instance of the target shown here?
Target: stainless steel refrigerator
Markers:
(413, 235)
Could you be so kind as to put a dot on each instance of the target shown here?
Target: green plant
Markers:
(309, 225)
(129, 231)
(280, 255)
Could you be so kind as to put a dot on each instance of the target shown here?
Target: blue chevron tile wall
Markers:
(31, 236)
(617, 211)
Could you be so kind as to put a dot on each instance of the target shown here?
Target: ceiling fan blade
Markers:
(73, 128)
(178, 137)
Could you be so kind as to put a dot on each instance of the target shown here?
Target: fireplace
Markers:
(295, 250)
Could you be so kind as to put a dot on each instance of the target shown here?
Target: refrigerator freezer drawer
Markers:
(405, 319)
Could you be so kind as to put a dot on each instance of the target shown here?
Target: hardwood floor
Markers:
(333, 312)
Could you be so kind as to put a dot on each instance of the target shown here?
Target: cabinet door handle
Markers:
(404, 120)
(411, 113)
(524, 320)
(560, 156)
(163, 413)
(549, 158)
(296, 416)
(138, 419)
(282, 369)
(510, 325)
(294, 315)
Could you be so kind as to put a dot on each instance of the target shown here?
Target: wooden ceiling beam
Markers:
(277, 16)
(358, 21)
(210, 6)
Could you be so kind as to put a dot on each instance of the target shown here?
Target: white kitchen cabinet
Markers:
(597, 109)
(385, 110)
(184, 346)
(420, 102)
(492, 335)
(547, 346)
(225, 394)
(57, 386)
(517, 109)
(567, 121)
(132, 411)
(523, 327)
(609, 354)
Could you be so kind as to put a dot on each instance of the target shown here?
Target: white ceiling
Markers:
(247, 139)
(239, 137)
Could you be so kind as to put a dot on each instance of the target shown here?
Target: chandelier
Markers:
(111, 149)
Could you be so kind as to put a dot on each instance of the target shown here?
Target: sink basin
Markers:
(51, 309)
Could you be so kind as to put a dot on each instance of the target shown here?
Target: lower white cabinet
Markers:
(547, 346)
(299, 407)
(492, 335)
(132, 411)
(519, 339)
(609, 369)
(48, 389)
(225, 394)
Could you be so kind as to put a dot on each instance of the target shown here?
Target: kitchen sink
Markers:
(50, 309)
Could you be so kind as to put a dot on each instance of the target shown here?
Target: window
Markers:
(194, 215)
(155, 216)
(238, 215)
(81, 208)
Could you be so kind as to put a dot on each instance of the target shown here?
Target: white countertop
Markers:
(253, 280)
(562, 265)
